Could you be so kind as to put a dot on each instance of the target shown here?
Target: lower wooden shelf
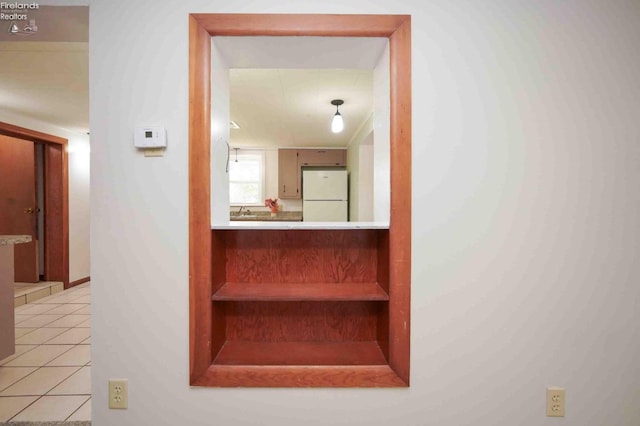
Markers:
(235, 352)
(301, 291)
(275, 376)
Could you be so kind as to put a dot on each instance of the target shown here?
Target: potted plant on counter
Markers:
(273, 205)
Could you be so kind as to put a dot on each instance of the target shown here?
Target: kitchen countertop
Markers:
(6, 240)
(266, 217)
(298, 225)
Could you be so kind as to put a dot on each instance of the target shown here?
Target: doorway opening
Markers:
(55, 218)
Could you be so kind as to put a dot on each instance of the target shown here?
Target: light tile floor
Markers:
(49, 376)
(30, 292)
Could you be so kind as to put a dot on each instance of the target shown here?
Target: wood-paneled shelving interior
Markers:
(300, 297)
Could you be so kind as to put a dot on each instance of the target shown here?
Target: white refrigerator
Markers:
(325, 196)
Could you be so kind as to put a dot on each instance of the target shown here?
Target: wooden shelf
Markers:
(300, 353)
(318, 376)
(300, 308)
(300, 291)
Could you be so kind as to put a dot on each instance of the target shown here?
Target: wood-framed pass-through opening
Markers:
(345, 322)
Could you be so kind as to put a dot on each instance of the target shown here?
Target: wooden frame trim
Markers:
(80, 281)
(201, 28)
(56, 195)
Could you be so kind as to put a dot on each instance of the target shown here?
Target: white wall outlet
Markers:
(555, 402)
(118, 393)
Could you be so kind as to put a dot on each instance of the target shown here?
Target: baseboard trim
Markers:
(80, 281)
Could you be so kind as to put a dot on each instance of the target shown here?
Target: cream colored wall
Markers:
(356, 191)
(220, 138)
(365, 179)
(525, 228)
(381, 132)
(79, 200)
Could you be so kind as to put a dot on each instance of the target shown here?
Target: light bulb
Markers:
(337, 124)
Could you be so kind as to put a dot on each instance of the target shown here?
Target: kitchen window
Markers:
(246, 178)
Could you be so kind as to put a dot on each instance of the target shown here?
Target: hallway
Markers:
(49, 376)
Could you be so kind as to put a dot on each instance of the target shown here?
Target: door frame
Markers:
(397, 28)
(56, 199)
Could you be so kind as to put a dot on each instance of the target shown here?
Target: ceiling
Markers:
(280, 94)
(46, 81)
(282, 87)
(292, 107)
(45, 76)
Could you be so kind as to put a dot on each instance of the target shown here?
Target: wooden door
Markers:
(18, 208)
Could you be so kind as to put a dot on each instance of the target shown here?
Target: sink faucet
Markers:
(246, 211)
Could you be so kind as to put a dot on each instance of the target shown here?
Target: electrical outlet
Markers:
(555, 402)
(118, 394)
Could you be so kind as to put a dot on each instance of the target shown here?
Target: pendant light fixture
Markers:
(337, 124)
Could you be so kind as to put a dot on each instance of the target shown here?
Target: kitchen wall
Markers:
(381, 132)
(271, 183)
(79, 164)
(525, 218)
(220, 137)
(361, 173)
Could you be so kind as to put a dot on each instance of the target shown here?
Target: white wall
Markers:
(360, 194)
(220, 139)
(79, 209)
(381, 143)
(365, 179)
(78, 154)
(525, 229)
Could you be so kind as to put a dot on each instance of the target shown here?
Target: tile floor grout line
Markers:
(21, 378)
(46, 392)
(38, 304)
(45, 365)
(39, 397)
(29, 405)
(18, 356)
(67, 329)
(46, 324)
(79, 407)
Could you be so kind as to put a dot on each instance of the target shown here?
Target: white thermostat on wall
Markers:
(150, 137)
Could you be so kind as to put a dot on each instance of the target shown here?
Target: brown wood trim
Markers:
(32, 135)
(56, 187)
(200, 259)
(218, 275)
(299, 25)
(56, 214)
(398, 29)
(80, 281)
(400, 223)
(300, 376)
